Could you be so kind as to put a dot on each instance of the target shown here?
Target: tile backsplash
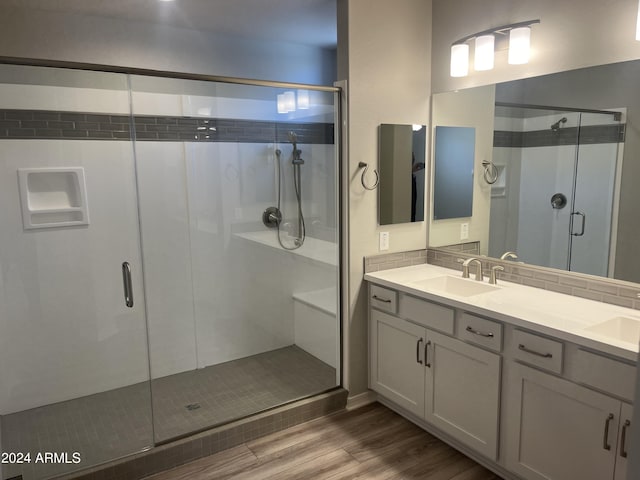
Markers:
(608, 290)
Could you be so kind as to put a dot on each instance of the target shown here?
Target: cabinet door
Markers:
(462, 392)
(623, 441)
(564, 431)
(397, 361)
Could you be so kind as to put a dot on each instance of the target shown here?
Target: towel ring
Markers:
(364, 172)
(490, 172)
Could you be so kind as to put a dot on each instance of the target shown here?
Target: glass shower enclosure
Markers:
(169, 258)
(555, 200)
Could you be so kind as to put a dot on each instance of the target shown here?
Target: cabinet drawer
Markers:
(538, 351)
(480, 331)
(383, 298)
(428, 314)
(605, 374)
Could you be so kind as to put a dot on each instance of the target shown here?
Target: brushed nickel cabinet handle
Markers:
(426, 354)
(605, 440)
(418, 351)
(476, 332)
(385, 300)
(623, 439)
(533, 352)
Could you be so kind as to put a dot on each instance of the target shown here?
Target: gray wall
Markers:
(40, 34)
(385, 56)
(603, 87)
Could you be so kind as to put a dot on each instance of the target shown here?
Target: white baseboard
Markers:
(362, 399)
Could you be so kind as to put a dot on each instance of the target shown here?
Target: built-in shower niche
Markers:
(53, 197)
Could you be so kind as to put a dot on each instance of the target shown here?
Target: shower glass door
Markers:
(557, 208)
(239, 222)
(74, 375)
(595, 184)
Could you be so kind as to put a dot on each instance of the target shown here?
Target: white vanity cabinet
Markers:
(563, 430)
(524, 402)
(463, 392)
(396, 364)
(434, 376)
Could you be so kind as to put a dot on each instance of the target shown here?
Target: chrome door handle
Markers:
(605, 440)
(623, 439)
(426, 354)
(382, 299)
(584, 217)
(476, 332)
(418, 351)
(128, 286)
(533, 352)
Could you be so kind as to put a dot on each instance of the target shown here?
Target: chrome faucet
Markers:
(509, 255)
(465, 268)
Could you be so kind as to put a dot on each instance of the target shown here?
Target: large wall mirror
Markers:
(402, 173)
(556, 170)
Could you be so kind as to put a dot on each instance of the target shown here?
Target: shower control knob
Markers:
(558, 201)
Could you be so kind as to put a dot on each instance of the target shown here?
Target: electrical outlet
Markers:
(384, 241)
(464, 231)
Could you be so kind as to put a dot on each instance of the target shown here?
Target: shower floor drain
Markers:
(192, 406)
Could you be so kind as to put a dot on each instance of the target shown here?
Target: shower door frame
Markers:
(339, 91)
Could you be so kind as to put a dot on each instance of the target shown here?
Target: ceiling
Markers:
(308, 22)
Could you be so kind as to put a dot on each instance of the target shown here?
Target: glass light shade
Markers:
(303, 99)
(484, 52)
(638, 24)
(289, 101)
(281, 103)
(519, 45)
(460, 60)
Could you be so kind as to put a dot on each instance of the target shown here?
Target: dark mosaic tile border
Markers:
(589, 135)
(215, 440)
(607, 290)
(59, 125)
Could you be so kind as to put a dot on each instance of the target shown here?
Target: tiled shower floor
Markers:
(112, 424)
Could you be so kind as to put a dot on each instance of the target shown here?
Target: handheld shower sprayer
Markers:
(272, 216)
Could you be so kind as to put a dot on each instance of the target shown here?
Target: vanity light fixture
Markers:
(519, 46)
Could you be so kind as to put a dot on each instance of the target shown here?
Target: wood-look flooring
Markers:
(369, 443)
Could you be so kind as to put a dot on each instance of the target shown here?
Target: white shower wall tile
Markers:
(151, 103)
(167, 257)
(50, 352)
(72, 99)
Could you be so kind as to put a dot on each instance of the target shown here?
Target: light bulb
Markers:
(638, 24)
(460, 60)
(484, 52)
(519, 45)
(303, 99)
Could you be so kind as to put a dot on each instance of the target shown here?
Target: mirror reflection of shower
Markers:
(272, 216)
(556, 126)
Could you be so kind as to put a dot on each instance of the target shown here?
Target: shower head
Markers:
(293, 138)
(556, 126)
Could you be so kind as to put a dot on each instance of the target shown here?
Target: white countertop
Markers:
(563, 316)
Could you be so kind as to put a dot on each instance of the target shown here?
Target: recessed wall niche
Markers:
(53, 197)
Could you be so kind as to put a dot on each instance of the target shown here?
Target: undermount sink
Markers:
(620, 328)
(455, 286)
